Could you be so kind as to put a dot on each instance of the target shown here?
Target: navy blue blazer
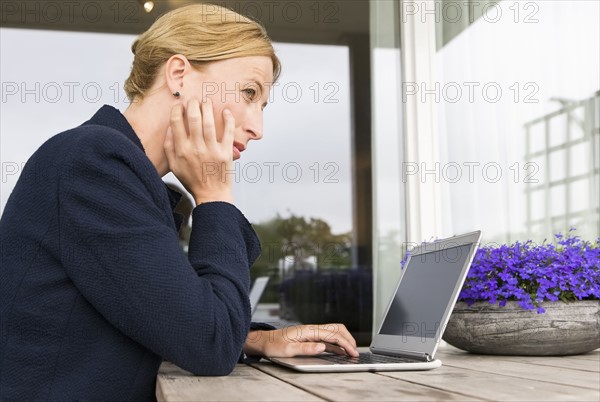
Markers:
(95, 289)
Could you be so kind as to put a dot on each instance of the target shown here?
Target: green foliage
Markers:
(301, 238)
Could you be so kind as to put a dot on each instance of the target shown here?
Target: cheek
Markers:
(218, 108)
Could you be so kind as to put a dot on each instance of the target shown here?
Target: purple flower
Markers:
(532, 274)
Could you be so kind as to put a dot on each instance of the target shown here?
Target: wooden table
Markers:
(463, 376)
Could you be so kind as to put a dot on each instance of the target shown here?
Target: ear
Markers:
(175, 69)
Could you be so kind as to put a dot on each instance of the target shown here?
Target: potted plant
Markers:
(528, 299)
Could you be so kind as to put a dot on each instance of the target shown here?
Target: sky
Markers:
(53, 81)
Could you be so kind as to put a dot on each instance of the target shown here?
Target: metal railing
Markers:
(583, 115)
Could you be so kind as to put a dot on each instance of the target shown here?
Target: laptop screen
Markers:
(424, 292)
(257, 290)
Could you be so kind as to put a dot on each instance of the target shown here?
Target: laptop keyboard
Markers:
(367, 358)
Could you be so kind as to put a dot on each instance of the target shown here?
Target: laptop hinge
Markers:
(426, 357)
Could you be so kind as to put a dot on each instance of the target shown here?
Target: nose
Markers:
(253, 125)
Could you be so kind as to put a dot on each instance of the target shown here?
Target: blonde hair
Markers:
(201, 32)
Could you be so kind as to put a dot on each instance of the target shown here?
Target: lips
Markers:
(238, 148)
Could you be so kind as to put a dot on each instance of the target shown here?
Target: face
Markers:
(240, 85)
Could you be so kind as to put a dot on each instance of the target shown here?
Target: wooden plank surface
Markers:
(595, 356)
(244, 384)
(586, 362)
(522, 367)
(464, 376)
(358, 386)
(568, 362)
(489, 386)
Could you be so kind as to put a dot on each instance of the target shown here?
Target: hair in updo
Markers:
(201, 32)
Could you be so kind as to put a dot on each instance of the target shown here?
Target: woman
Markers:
(95, 289)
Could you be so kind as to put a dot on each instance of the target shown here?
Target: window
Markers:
(295, 185)
(516, 102)
(498, 103)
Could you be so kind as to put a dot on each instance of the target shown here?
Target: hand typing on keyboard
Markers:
(301, 340)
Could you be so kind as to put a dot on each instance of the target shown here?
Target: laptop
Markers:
(259, 286)
(416, 315)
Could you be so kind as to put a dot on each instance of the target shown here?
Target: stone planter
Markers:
(564, 329)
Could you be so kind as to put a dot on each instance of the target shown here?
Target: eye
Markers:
(250, 94)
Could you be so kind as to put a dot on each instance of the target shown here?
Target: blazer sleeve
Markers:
(120, 248)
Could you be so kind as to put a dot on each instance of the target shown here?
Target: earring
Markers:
(176, 94)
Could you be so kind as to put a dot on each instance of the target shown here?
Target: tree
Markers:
(301, 238)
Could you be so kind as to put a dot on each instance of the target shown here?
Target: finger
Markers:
(177, 125)
(341, 331)
(341, 347)
(330, 333)
(306, 349)
(194, 119)
(337, 334)
(169, 146)
(208, 123)
(229, 128)
(335, 349)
